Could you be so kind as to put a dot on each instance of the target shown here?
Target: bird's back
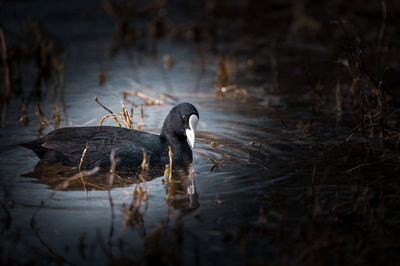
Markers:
(66, 146)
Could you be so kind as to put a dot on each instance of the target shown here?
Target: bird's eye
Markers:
(183, 118)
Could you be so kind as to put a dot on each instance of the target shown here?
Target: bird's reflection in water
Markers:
(180, 189)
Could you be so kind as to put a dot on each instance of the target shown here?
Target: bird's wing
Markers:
(94, 146)
(128, 154)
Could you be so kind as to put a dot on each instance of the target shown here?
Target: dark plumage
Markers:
(65, 145)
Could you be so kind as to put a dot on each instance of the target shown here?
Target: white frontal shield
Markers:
(190, 132)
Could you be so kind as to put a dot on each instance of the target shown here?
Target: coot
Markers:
(66, 145)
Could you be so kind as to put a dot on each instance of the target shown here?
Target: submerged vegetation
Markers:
(300, 166)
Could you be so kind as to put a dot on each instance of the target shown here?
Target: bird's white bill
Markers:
(190, 132)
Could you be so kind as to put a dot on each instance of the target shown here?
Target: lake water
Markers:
(269, 181)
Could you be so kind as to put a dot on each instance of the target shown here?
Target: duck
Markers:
(100, 145)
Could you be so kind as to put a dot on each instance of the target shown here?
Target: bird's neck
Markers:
(173, 140)
(179, 147)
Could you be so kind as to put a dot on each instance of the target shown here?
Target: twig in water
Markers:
(383, 25)
(168, 167)
(167, 97)
(110, 183)
(108, 110)
(381, 109)
(110, 115)
(140, 125)
(43, 119)
(61, 70)
(7, 74)
(353, 132)
(59, 258)
(381, 113)
(64, 184)
(145, 168)
(364, 164)
(24, 117)
(56, 116)
(127, 117)
(149, 100)
(83, 156)
(80, 166)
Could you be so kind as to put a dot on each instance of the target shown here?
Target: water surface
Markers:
(269, 180)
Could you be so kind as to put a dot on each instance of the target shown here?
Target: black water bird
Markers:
(65, 146)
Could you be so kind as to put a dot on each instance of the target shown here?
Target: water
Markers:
(264, 189)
